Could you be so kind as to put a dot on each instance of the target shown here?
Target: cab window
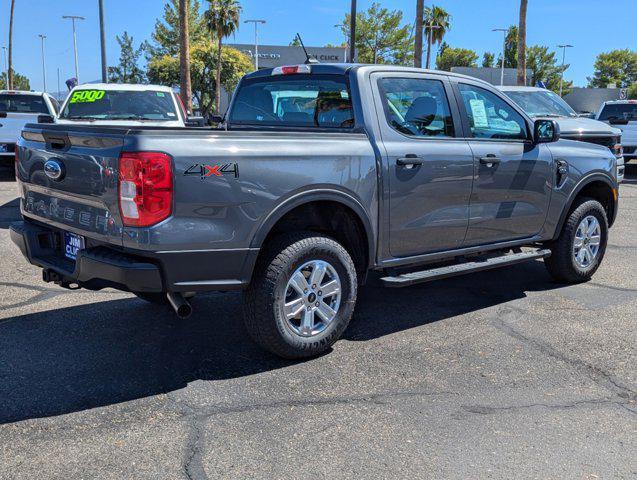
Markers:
(310, 101)
(417, 107)
(491, 116)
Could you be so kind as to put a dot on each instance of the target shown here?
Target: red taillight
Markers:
(145, 188)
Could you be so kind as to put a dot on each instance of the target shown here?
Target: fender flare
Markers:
(316, 195)
(576, 191)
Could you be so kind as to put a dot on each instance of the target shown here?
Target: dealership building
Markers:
(271, 56)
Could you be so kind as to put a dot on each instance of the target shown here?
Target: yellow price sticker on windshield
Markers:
(87, 96)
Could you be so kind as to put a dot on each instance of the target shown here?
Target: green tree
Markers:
(545, 68)
(164, 70)
(380, 38)
(488, 60)
(617, 66)
(221, 19)
(295, 42)
(437, 23)
(128, 70)
(449, 57)
(632, 92)
(20, 82)
(165, 37)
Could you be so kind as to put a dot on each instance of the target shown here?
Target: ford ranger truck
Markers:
(320, 174)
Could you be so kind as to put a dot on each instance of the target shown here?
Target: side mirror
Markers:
(216, 119)
(546, 131)
(46, 119)
(195, 122)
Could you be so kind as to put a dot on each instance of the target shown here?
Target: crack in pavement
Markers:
(599, 376)
(611, 287)
(488, 410)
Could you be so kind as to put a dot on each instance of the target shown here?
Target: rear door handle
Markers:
(410, 160)
(490, 160)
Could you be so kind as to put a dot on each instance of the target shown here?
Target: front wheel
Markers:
(579, 250)
(302, 296)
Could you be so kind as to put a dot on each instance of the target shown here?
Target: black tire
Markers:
(264, 299)
(561, 264)
(157, 298)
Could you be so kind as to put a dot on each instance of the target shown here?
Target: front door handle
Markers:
(490, 160)
(410, 160)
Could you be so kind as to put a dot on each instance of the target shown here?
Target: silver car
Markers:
(543, 103)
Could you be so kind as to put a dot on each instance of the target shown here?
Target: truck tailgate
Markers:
(68, 178)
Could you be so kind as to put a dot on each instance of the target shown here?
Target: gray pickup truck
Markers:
(320, 174)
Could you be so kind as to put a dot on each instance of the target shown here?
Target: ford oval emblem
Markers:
(54, 170)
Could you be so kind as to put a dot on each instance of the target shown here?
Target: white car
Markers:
(17, 108)
(543, 103)
(623, 115)
(125, 105)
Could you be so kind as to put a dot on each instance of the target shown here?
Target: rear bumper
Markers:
(100, 267)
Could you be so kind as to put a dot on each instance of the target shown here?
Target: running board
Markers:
(407, 279)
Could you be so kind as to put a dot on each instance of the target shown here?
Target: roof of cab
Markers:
(22, 92)
(123, 86)
(344, 68)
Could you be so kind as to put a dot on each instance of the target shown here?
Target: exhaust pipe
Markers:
(180, 305)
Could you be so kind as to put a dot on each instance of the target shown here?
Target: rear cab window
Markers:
(87, 104)
(619, 111)
(296, 101)
(21, 103)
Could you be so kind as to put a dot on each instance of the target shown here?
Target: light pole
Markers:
(6, 68)
(504, 48)
(256, 40)
(563, 47)
(103, 41)
(73, 18)
(430, 28)
(352, 32)
(43, 38)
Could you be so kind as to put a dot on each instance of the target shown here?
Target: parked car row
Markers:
(94, 104)
(542, 103)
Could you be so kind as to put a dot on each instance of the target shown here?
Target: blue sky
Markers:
(590, 25)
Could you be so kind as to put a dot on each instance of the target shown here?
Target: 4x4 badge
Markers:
(205, 171)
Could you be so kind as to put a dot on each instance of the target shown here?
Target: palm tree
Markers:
(184, 55)
(222, 20)
(522, 44)
(10, 72)
(437, 23)
(420, 12)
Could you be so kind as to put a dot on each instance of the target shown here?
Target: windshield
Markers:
(120, 105)
(321, 101)
(12, 102)
(621, 111)
(542, 104)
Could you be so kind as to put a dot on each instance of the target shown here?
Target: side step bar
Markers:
(407, 279)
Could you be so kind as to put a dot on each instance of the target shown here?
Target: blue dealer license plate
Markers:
(72, 244)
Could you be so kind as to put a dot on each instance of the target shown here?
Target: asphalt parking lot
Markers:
(503, 374)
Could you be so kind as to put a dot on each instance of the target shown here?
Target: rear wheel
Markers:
(579, 250)
(302, 296)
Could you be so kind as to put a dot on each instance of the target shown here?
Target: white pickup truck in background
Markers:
(125, 105)
(17, 108)
(623, 115)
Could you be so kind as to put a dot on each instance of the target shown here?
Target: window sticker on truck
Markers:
(205, 171)
(87, 96)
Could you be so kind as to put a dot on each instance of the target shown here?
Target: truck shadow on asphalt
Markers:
(77, 358)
